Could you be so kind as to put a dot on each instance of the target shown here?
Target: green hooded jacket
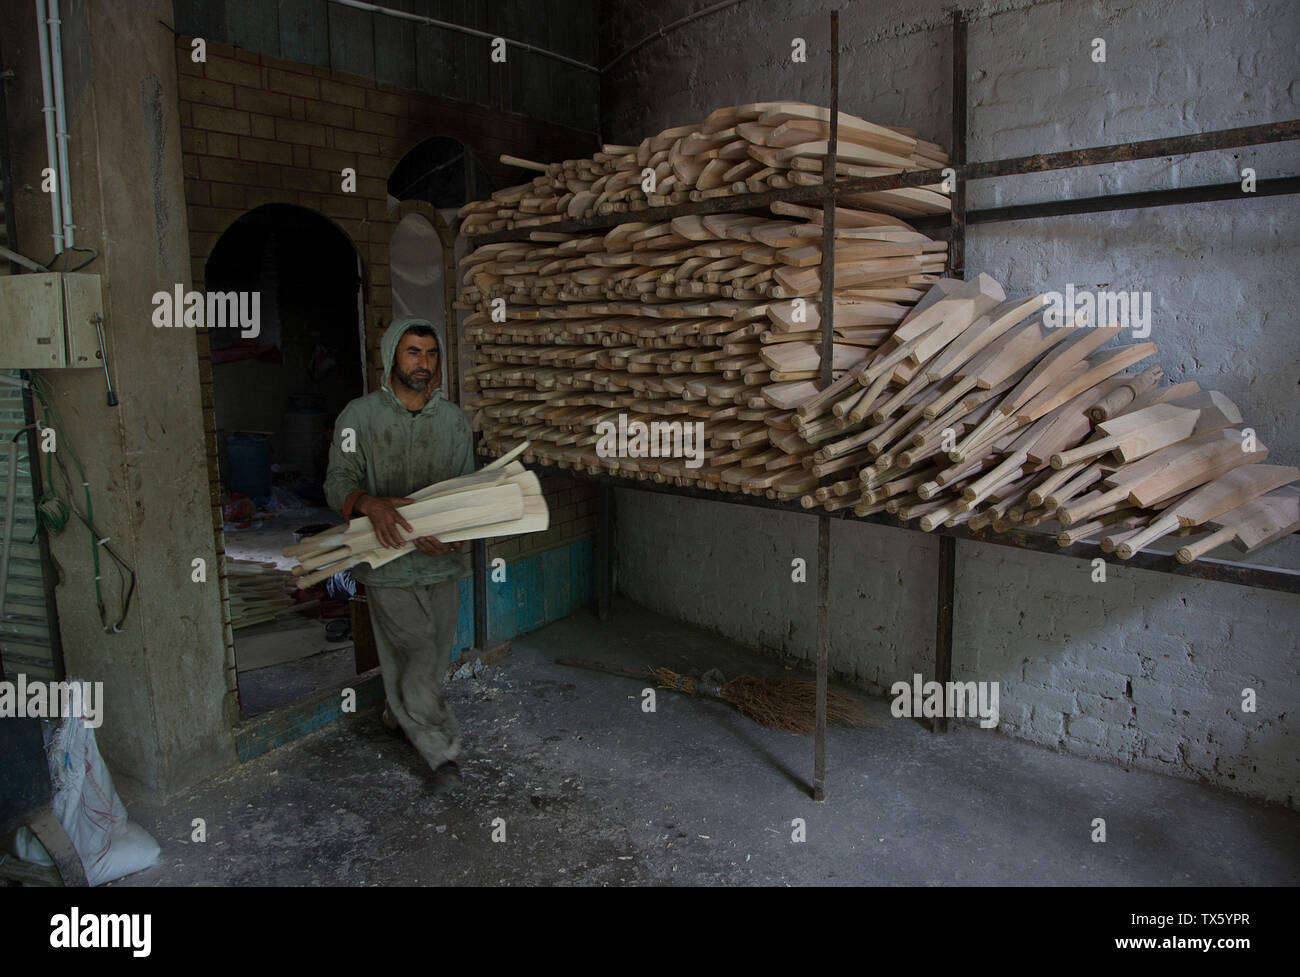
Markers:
(397, 454)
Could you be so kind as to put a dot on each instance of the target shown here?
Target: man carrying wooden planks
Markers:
(386, 444)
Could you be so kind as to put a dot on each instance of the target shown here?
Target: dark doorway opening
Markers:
(277, 390)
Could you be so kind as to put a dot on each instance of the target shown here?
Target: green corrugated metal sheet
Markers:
(24, 632)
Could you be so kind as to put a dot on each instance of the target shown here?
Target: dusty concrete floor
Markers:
(593, 791)
(269, 688)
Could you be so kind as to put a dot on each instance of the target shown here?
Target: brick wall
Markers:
(575, 507)
(258, 130)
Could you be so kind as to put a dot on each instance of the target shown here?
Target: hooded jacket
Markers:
(397, 453)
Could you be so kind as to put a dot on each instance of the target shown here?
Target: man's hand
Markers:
(432, 546)
(384, 518)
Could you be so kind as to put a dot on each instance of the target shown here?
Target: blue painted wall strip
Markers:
(541, 588)
(501, 613)
(284, 725)
(584, 571)
(465, 622)
(557, 583)
(530, 594)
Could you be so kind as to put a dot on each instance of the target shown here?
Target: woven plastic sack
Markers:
(85, 803)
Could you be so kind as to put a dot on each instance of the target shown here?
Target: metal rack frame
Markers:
(1248, 575)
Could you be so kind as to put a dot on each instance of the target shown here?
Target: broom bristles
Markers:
(785, 703)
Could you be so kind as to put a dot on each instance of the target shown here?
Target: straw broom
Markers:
(781, 703)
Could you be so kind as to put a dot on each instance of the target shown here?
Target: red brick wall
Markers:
(257, 130)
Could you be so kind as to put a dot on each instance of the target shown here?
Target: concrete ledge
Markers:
(280, 726)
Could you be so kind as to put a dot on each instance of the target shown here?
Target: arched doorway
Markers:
(305, 363)
(441, 171)
(444, 174)
(276, 392)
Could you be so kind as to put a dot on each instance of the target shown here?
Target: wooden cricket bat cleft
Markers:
(1223, 494)
(1250, 526)
(1136, 435)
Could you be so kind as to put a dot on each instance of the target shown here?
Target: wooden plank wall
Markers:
(422, 56)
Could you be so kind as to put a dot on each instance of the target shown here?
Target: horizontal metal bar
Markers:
(1012, 166)
(1134, 201)
(1220, 571)
(1199, 142)
(1196, 142)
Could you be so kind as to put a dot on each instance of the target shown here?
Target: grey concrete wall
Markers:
(167, 713)
(1143, 669)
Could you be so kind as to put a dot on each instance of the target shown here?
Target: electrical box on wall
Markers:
(47, 321)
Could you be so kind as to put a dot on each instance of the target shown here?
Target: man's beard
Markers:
(418, 380)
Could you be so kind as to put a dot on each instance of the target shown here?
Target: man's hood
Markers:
(388, 350)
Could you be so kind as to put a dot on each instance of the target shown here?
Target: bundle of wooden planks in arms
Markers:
(951, 404)
(502, 499)
(736, 150)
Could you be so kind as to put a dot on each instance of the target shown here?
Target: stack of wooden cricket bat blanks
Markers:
(739, 149)
(700, 319)
(985, 412)
(950, 404)
(502, 499)
(971, 410)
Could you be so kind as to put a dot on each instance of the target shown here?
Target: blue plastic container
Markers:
(250, 464)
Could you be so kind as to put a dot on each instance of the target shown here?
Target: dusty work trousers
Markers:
(414, 630)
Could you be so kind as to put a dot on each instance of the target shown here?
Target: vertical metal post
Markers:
(827, 360)
(448, 234)
(943, 620)
(947, 582)
(957, 245)
(480, 595)
(605, 553)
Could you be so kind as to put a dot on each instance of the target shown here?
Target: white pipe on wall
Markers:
(51, 154)
(60, 120)
(19, 259)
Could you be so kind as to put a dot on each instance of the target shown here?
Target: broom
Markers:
(782, 703)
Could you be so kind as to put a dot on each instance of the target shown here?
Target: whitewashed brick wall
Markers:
(1146, 669)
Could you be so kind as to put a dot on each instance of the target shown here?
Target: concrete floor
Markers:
(264, 689)
(593, 791)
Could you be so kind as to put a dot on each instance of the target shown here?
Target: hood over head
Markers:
(393, 337)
